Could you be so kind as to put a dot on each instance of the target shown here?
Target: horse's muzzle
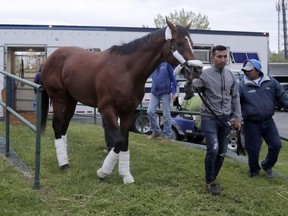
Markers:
(192, 72)
(191, 69)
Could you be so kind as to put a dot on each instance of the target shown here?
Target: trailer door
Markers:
(24, 62)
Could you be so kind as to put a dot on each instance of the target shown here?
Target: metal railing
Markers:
(93, 115)
(37, 129)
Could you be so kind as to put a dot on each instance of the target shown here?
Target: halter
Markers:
(183, 63)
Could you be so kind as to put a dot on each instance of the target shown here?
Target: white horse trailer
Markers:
(23, 48)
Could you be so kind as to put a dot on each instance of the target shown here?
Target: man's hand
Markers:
(236, 123)
(173, 97)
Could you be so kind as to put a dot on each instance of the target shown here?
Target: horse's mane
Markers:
(128, 48)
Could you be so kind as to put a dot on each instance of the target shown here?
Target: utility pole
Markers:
(284, 7)
(278, 9)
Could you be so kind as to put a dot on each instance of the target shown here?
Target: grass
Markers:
(169, 180)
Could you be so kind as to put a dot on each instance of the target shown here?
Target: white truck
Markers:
(24, 47)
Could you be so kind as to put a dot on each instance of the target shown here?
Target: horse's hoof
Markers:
(101, 174)
(64, 167)
(128, 179)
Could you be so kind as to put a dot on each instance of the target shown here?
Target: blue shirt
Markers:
(163, 80)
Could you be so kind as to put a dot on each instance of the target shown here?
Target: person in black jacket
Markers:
(37, 80)
(258, 95)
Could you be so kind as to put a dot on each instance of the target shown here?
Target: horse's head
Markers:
(181, 47)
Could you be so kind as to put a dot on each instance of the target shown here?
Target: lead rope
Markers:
(226, 124)
(240, 145)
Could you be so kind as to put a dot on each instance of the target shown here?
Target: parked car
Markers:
(188, 122)
(186, 125)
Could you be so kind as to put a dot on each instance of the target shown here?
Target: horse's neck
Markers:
(146, 61)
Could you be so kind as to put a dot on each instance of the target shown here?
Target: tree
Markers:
(183, 18)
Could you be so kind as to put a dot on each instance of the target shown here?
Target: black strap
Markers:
(226, 124)
(240, 143)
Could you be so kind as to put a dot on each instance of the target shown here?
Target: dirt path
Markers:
(29, 116)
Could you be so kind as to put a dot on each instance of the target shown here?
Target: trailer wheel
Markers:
(141, 123)
(176, 135)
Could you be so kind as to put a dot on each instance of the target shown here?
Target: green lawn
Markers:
(169, 180)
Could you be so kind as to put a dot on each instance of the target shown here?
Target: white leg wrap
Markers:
(64, 138)
(108, 164)
(124, 167)
(61, 152)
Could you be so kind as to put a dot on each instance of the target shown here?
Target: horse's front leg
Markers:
(124, 157)
(120, 151)
(113, 156)
(124, 153)
(108, 164)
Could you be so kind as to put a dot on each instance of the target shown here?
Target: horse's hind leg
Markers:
(70, 107)
(63, 113)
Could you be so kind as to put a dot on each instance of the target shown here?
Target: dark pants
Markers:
(216, 136)
(254, 132)
(108, 136)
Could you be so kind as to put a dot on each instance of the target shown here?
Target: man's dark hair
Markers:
(218, 48)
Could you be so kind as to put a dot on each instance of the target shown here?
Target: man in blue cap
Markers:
(258, 95)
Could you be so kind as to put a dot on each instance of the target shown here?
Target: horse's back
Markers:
(55, 62)
(72, 71)
(53, 67)
(62, 55)
(92, 78)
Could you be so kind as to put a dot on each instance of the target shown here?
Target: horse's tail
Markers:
(44, 110)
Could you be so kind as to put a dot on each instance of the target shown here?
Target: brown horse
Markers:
(112, 80)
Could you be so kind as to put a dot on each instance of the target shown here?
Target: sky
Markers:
(231, 15)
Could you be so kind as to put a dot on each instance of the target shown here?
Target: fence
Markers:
(37, 129)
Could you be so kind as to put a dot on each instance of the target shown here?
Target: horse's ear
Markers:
(170, 25)
(188, 26)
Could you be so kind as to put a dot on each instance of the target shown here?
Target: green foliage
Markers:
(183, 18)
(169, 180)
(277, 57)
